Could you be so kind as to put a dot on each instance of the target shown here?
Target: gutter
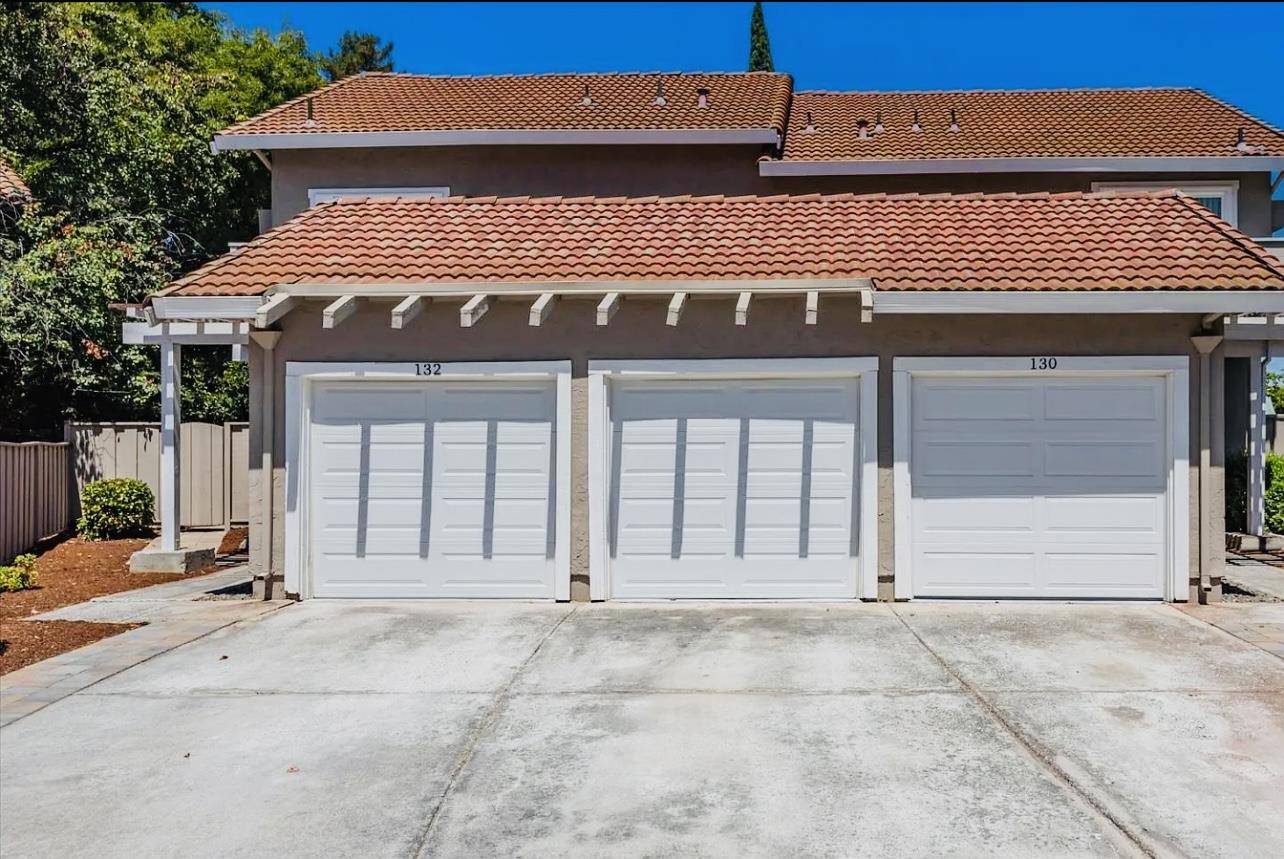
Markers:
(488, 137)
(916, 166)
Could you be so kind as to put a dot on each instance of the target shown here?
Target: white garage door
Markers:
(1033, 488)
(734, 489)
(441, 489)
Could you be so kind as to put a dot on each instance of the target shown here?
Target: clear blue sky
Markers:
(1231, 49)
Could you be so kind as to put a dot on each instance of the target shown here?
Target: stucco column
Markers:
(266, 341)
(1209, 542)
(170, 455)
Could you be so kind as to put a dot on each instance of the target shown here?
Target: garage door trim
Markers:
(300, 378)
(1175, 369)
(601, 373)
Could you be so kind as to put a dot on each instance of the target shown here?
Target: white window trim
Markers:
(1227, 190)
(329, 195)
(1174, 368)
(300, 377)
(602, 372)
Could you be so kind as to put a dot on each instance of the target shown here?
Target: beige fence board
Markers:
(239, 473)
(34, 494)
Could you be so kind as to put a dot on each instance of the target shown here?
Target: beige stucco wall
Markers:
(776, 329)
(641, 171)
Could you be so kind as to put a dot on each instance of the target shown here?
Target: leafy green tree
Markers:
(759, 44)
(357, 52)
(1275, 390)
(108, 111)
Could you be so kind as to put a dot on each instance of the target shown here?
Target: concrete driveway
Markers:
(473, 730)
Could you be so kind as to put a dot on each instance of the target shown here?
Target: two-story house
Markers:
(635, 336)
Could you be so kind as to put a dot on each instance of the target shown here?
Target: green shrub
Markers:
(110, 509)
(1274, 500)
(19, 576)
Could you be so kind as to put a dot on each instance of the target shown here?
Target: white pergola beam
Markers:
(473, 310)
(676, 305)
(742, 308)
(607, 306)
(185, 333)
(407, 309)
(813, 307)
(867, 306)
(338, 310)
(273, 309)
(542, 308)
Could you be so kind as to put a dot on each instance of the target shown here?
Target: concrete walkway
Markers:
(1254, 576)
(175, 613)
(505, 729)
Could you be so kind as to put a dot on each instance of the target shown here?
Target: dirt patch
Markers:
(1233, 593)
(71, 572)
(22, 643)
(233, 543)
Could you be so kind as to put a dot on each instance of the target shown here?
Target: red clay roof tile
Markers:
(1096, 123)
(11, 185)
(403, 102)
(1006, 242)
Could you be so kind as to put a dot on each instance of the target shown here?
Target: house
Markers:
(14, 193)
(651, 336)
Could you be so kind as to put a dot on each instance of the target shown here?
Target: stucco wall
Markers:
(641, 171)
(776, 329)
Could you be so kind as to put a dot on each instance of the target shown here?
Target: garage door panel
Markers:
(975, 458)
(1066, 499)
(458, 503)
(1105, 458)
(971, 400)
(741, 488)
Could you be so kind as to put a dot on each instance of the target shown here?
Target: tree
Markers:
(759, 43)
(108, 111)
(1275, 390)
(357, 52)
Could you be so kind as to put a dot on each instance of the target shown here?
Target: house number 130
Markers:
(1043, 363)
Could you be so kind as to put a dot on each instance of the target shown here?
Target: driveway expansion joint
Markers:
(1127, 834)
(475, 737)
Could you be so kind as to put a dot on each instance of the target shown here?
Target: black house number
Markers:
(429, 369)
(1044, 363)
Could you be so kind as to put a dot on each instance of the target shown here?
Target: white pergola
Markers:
(1258, 338)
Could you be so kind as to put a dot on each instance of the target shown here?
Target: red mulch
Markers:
(232, 541)
(71, 572)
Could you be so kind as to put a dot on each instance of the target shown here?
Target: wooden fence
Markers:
(215, 460)
(36, 494)
(40, 482)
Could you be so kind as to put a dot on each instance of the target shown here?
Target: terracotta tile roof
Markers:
(1016, 242)
(403, 102)
(1031, 124)
(11, 185)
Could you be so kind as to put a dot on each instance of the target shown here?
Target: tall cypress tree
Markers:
(759, 44)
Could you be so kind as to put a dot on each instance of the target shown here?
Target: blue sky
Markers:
(1224, 48)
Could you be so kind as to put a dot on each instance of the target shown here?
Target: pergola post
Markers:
(1257, 445)
(170, 455)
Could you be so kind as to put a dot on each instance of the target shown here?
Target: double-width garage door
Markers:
(744, 488)
(441, 489)
(1030, 487)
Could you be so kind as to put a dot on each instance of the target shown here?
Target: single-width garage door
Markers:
(432, 489)
(1026, 487)
(734, 488)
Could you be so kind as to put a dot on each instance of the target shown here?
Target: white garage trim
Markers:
(299, 379)
(1175, 369)
(600, 428)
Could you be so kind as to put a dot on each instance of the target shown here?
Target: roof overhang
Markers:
(499, 137)
(884, 167)
(941, 302)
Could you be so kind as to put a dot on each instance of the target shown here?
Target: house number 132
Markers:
(1043, 363)
(429, 369)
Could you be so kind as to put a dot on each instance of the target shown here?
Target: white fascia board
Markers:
(206, 306)
(911, 166)
(469, 288)
(1118, 301)
(501, 137)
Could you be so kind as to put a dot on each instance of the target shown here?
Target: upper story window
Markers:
(1221, 198)
(329, 195)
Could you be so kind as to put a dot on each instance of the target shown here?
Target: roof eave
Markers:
(492, 137)
(903, 166)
